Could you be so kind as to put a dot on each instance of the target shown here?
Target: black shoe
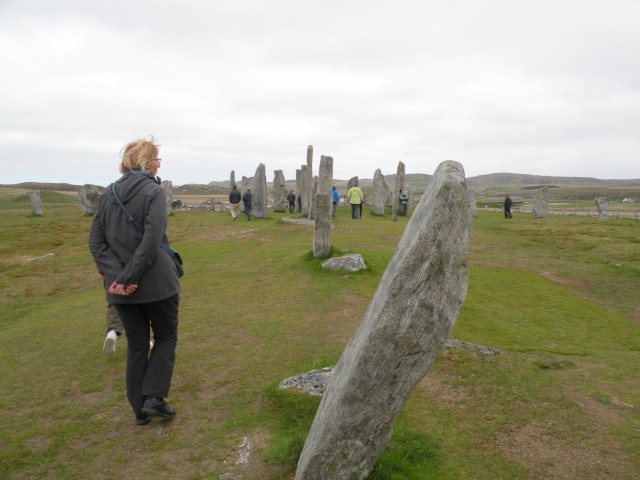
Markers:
(142, 419)
(157, 407)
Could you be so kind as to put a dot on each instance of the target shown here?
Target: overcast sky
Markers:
(545, 87)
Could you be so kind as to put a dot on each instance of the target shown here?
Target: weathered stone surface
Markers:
(540, 208)
(406, 325)
(312, 203)
(395, 203)
(313, 382)
(352, 181)
(279, 203)
(258, 208)
(167, 185)
(299, 183)
(232, 179)
(88, 196)
(380, 193)
(37, 207)
(305, 178)
(472, 201)
(352, 262)
(323, 209)
(603, 208)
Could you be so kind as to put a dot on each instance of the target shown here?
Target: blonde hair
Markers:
(138, 155)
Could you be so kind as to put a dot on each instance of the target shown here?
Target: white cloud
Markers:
(545, 87)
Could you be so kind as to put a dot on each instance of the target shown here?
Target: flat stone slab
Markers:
(352, 262)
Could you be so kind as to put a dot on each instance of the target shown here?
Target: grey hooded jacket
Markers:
(125, 255)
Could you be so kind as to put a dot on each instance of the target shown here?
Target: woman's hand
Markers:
(120, 289)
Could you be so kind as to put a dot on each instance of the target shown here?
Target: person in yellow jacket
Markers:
(355, 198)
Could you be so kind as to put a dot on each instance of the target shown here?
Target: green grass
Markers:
(557, 296)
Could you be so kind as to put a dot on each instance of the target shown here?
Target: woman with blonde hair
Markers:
(141, 279)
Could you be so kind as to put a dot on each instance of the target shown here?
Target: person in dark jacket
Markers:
(247, 199)
(141, 279)
(507, 206)
(291, 198)
(234, 202)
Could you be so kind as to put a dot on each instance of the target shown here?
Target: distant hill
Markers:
(417, 182)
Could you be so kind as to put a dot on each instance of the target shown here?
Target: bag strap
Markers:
(132, 220)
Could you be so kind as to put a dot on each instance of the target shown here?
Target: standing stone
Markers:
(603, 208)
(540, 203)
(308, 198)
(395, 204)
(312, 205)
(304, 189)
(323, 209)
(298, 190)
(232, 179)
(88, 196)
(279, 204)
(352, 181)
(37, 208)
(377, 205)
(167, 185)
(258, 208)
(406, 325)
(472, 201)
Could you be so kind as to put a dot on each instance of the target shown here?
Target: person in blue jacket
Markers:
(335, 198)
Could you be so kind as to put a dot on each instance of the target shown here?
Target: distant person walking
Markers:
(291, 198)
(404, 203)
(234, 202)
(140, 276)
(247, 199)
(507, 207)
(335, 198)
(354, 198)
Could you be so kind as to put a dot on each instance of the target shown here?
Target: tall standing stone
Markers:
(473, 201)
(309, 180)
(395, 204)
(258, 208)
(379, 196)
(603, 208)
(312, 205)
(279, 204)
(298, 190)
(323, 209)
(540, 207)
(167, 186)
(406, 325)
(304, 189)
(88, 196)
(37, 208)
(232, 179)
(352, 181)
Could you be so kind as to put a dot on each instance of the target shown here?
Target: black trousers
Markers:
(292, 207)
(247, 211)
(149, 375)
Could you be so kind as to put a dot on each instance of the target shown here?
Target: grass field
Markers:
(558, 296)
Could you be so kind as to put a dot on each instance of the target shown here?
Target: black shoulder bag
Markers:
(175, 256)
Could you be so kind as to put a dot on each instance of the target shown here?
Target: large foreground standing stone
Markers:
(540, 208)
(88, 196)
(405, 327)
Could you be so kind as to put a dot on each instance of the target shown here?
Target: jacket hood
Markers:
(129, 185)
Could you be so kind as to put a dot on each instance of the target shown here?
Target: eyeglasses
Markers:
(159, 160)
